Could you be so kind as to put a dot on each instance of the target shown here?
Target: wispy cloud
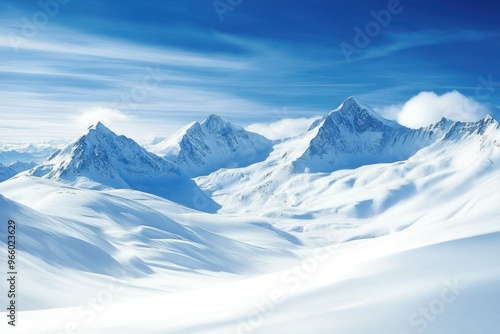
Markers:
(63, 72)
(397, 41)
(283, 128)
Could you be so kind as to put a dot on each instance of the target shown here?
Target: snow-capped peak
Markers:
(350, 102)
(104, 157)
(99, 127)
(215, 122)
(202, 148)
(354, 110)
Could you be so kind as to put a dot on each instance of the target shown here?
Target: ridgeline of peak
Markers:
(360, 114)
(350, 102)
(99, 127)
(218, 125)
(489, 119)
(460, 130)
(214, 119)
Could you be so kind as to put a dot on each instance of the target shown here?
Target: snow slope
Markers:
(125, 235)
(202, 148)
(441, 275)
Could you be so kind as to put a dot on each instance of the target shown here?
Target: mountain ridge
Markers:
(349, 137)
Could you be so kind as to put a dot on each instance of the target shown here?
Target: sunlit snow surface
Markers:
(409, 245)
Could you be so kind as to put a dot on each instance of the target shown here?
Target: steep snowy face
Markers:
(101, 157)
(201, 149)
(354, 135)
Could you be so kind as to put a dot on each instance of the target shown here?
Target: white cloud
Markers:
(284, 128)
(107, 116)
(389, 112)
(427, 108)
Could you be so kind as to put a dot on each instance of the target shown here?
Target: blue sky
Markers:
(148, 67)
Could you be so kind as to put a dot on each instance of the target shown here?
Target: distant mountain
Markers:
(202, 148)
(353, 135)
(27, 152)
(6, 172)
(12, 156)
(19, 166)
(100, 157)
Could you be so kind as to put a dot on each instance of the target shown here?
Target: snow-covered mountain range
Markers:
(27, 152)
(219, 230)
(236, 166)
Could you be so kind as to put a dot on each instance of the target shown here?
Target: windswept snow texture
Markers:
(126, 235)
(359, 225)
(200, 149)
(100, 157)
